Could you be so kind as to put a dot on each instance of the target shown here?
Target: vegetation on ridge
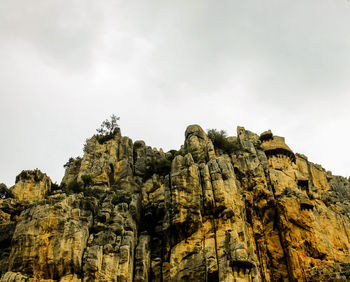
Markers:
(107, 129)
(5, 192)
(220, 140)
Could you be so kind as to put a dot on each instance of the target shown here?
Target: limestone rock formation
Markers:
(31, 185)
(128, 212)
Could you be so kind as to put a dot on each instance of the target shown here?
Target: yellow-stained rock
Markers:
(49, 240)
(259, 213)
(31, 185)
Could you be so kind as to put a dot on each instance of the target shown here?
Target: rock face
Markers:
(127, 212)
(31, 185)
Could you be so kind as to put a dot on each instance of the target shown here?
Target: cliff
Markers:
(126, 212)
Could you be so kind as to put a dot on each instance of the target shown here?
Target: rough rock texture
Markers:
(127, 212)
(50, 237)
(31, 185)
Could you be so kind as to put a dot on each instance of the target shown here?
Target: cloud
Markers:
(68, 65)
(64, 33)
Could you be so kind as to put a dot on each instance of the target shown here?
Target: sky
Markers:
(162, 65)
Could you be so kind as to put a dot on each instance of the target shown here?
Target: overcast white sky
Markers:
(67, 65)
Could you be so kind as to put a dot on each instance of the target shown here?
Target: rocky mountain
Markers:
(251, 210)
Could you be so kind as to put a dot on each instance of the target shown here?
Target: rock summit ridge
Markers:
(128, 212)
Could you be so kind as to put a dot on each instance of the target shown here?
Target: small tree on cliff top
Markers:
(108, 127)
(219, 139)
